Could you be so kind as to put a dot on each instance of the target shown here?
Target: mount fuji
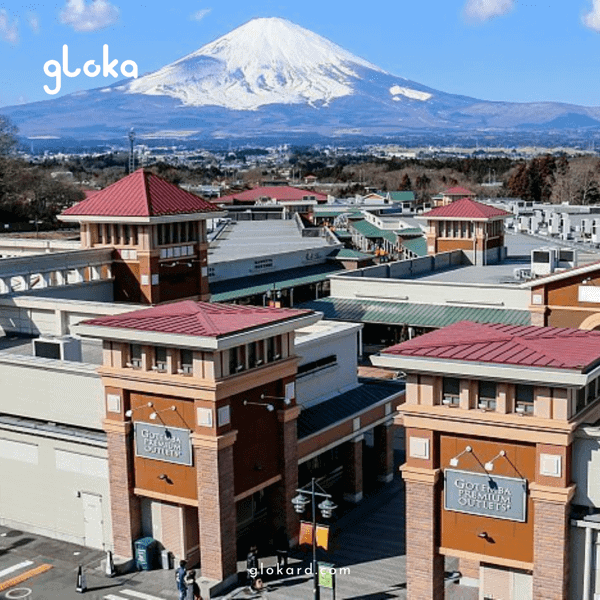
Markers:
(271, 78)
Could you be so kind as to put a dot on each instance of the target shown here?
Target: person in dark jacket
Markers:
(282, 547)
(180, 577)
(252, 566)
(192, 588)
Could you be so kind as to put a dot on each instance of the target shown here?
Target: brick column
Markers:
(125, 508)
(213, 457)
(424, 564)
(353, 470)
(384, 449)
(551, 541)
(288, 467)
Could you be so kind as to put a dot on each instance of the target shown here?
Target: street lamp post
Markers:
(326, 507)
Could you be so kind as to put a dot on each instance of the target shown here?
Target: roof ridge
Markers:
(146, 176)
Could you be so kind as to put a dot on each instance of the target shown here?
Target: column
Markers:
(288, 467)
(384, 449)
(213, 457)
(551, 507)
(424, 563)
(124, 505)
(353, 470)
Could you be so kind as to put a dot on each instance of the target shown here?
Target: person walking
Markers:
(180, 579)
(282, 547)
(192, 591)
(252, 566)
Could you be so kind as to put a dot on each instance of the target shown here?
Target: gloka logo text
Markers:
(53, 68)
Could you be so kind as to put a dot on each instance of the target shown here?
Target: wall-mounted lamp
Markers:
(129, 413)
(483, 535)
(489, 466)
(454, 461)
(286, 401)
(157, 412)
(269, 407)
(164, 477)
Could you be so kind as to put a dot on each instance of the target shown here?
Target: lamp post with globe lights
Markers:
(326, 507)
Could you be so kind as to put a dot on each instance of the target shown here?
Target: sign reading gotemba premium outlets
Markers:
(158, 442)
(485, 495)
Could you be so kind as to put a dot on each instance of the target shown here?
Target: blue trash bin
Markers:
(145, 553)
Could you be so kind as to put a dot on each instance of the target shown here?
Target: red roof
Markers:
(198, 318)
(282, 193)
(458, 191)
(466, 208)
(526, 346)
(141, 194)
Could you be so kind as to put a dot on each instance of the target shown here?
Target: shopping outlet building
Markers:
(493, 474)
(188, 421)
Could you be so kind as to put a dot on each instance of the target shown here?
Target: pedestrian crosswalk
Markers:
(127, 594)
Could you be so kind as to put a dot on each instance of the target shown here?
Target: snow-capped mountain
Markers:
(273, 78)
(265, 61)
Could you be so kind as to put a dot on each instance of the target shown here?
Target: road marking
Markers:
(113, 597)
(18, 593)
(21, 565)
(24, 576)
(140, 595)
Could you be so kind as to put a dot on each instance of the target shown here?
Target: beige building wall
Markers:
(50, 390)
(48, 484)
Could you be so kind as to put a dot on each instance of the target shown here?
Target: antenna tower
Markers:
(131, 153)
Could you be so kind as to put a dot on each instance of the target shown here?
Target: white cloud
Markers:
(89, 17)
(592, 18)
(34, 22)
(483, 10)
(9, 32)
(198, 16)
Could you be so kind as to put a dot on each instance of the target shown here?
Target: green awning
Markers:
(244, 287)
(417, 315)
(417, 246)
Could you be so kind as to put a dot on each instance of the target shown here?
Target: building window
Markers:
(186, 362)
(487, 395)
(524, 399)
(255, 354)
(580, 399)
(274, 348)
(451, 391)
(135, 356)
(160, 359)
(317, 365)
(591, 393)
(237, 360)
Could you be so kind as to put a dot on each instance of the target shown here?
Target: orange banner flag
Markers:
(306, 533)
(323, 536)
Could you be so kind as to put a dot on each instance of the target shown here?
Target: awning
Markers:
(224, 291)
(416, 315)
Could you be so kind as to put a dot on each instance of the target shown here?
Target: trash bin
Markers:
(165, 560)
(145, 553)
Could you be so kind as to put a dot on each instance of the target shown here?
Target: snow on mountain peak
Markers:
(264, 61)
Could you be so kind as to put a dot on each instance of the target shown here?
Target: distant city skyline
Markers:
(501, 50)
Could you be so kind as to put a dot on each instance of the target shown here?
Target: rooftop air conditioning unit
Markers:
(543, 261)
(567, 258)
(58, 348)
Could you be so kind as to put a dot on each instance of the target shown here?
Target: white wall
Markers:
(41, 479)
(323, 339)
(51, 390)
(36, 315)
(428, 292)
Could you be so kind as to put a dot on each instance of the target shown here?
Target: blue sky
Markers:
(515, 50)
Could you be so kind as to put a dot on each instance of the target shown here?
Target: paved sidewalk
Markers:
(371, 545)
